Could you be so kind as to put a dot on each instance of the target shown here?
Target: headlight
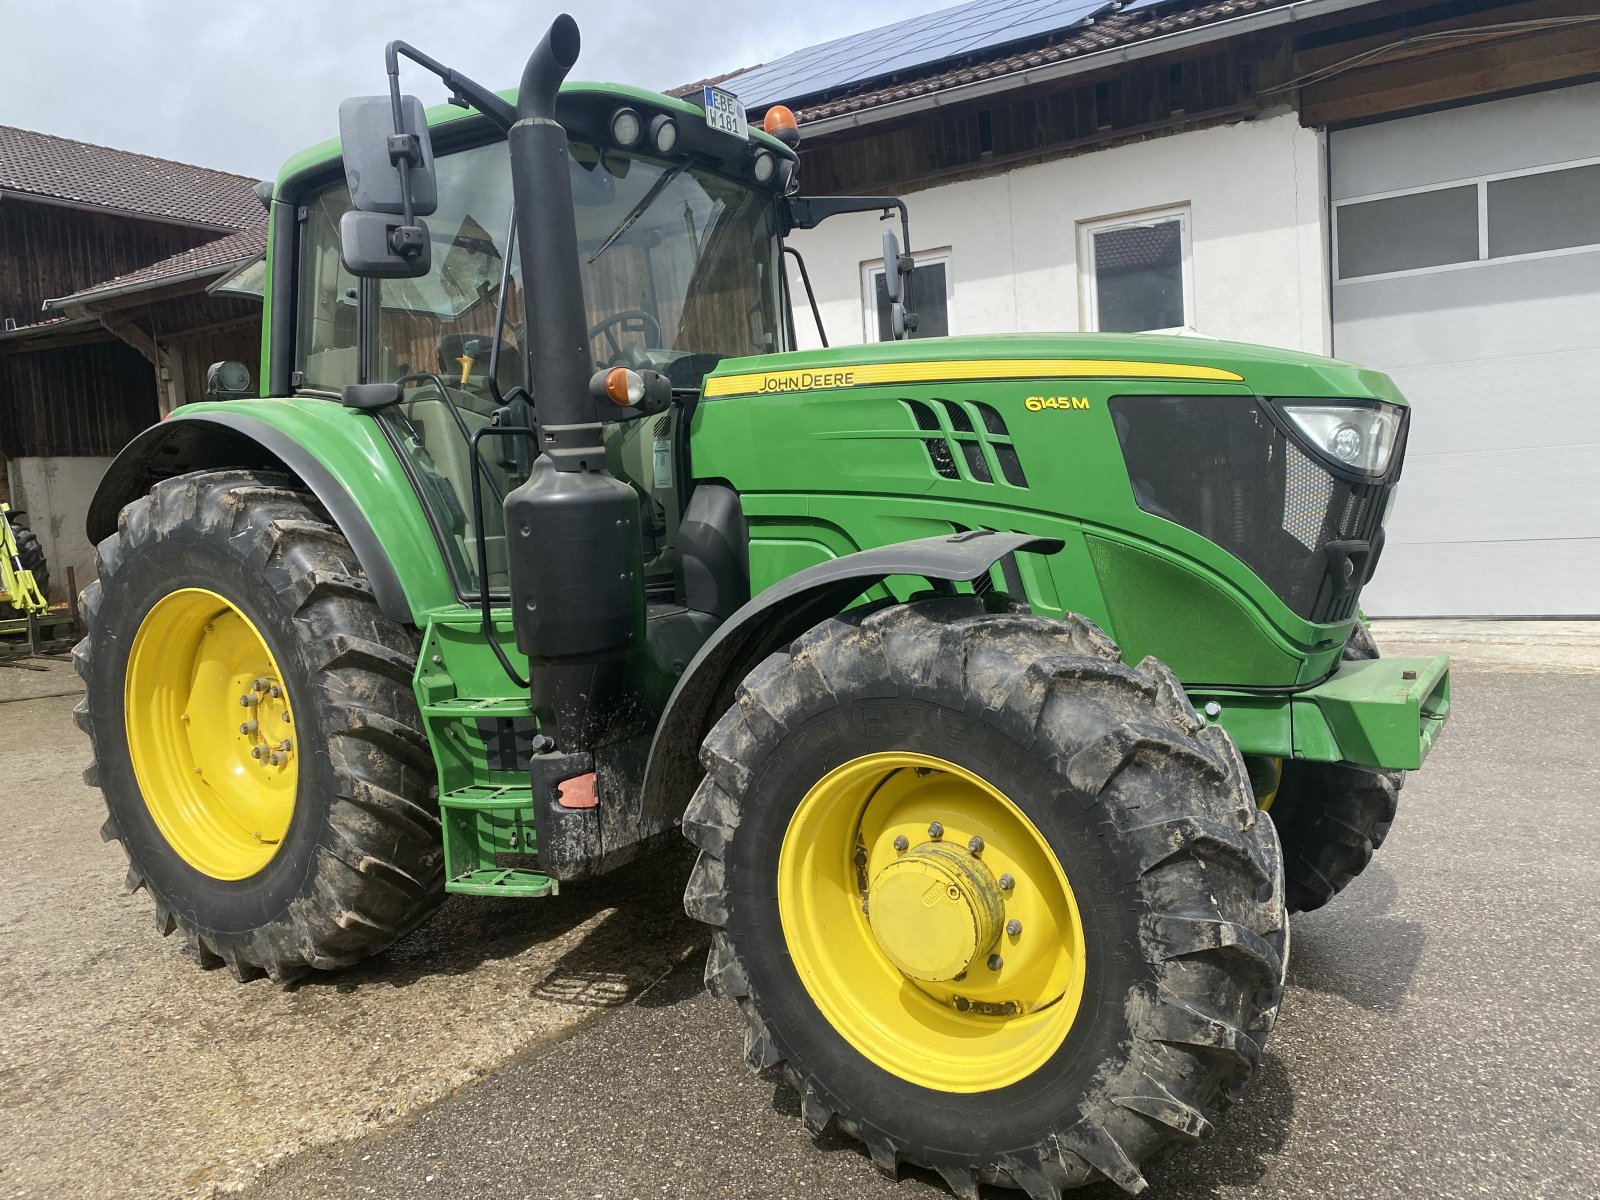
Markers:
(1359, 436)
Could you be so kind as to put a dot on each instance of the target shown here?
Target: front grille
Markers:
(1221, 466)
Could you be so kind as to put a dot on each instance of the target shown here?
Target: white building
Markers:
(1412, 186)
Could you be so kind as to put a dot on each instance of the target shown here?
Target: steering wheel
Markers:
(630, 320)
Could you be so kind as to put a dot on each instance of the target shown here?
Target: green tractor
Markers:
(970, 665)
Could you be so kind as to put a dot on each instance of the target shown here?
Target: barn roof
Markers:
(61, 170)
(211, 259)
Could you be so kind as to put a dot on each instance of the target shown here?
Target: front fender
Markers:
(775, 618)
(339, 454)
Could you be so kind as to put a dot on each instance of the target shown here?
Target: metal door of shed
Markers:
(1466, 263)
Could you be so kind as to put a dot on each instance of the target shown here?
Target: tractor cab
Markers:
(679, 251)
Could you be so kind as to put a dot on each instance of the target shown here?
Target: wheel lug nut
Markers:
(249, 700)
(258, 685)
(286, 744)
(1006, 882)
(248, 727)
(1013, 927)
(258, 751)
(285, 718)
(274, 691)
(936, 831)
(902, 843)
(275, 760)
(996, 962)
(975, 844)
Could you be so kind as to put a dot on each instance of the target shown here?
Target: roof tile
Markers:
(58, 168)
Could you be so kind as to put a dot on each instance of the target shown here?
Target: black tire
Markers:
(1178, 882)
(31, 554)
(1332, 817)
(361, 862)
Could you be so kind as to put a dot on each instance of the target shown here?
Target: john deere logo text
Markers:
(1040, 403)
(797, 381)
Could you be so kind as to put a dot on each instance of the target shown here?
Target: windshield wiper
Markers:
(637, 211)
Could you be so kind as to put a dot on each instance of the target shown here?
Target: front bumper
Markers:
(1384, 713)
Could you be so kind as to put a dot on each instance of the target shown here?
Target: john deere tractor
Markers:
(970, 665)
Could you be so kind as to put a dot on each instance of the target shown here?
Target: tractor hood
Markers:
(1196, 483)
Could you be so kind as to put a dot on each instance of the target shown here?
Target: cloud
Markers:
(242, 86)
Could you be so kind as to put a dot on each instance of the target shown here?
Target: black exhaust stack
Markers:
(574, 550)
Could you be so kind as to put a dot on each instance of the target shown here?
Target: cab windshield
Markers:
(680, 269)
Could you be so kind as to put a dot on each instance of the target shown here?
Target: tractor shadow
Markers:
(643, 934)
(1355, 950)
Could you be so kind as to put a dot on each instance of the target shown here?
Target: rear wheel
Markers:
(31, 554)
(994, 902)
(255, 734)
(1332, 817)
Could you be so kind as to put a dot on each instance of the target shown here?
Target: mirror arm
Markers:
(464, 92)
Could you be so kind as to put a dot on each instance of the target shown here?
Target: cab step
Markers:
(486, 826)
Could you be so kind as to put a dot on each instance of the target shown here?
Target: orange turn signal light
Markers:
(624, 388)
(781, 124)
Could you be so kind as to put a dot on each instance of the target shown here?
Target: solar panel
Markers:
(1136, 5)
(916, 42)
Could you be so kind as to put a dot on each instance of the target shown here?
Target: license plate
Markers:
(725, 113)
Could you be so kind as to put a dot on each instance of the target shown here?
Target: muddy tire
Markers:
(1176, 880)
(358, 861)
(1332, 817)
(31, 554)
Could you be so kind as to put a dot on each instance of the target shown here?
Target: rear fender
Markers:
(340, 455)
(774, 619)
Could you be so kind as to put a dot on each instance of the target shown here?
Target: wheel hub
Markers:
(935, 910)
(210, 732)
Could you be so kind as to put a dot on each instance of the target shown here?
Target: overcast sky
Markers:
(242, 84)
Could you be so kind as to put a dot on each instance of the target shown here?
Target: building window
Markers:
(1136, 272)
(1518, 214)
(1404, 233)
(929, 297)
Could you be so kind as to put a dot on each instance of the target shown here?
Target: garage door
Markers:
(1467, 264)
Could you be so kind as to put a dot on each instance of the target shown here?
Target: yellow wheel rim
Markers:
(954, 963)
(211, 733)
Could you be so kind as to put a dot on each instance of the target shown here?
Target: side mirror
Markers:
(373, 150)
(891, 266)
(376, 245)
(897, 270)
(228, 380)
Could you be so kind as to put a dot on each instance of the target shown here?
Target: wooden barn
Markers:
(122, 278)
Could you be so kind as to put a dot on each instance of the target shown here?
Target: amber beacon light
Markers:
(780, 123)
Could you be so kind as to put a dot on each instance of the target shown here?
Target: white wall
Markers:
(56, 493)
(1255, 195)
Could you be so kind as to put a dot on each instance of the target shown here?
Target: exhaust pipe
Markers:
(572, 529)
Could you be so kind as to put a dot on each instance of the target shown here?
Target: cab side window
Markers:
(325, 353)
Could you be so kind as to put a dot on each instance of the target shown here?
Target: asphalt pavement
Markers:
(1438, 1039)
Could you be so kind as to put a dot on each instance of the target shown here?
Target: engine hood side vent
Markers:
(968, 441)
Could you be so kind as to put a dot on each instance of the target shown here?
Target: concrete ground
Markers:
(1437, 1039)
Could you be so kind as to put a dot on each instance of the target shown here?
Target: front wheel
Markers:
(995, 902)
(1333, 816)
(254, 730)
